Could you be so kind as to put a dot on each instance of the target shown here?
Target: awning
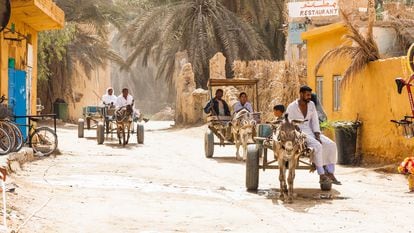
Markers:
(39, 14)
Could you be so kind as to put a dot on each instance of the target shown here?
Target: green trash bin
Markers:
(61, 110)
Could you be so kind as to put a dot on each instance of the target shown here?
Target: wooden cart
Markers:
(101, 119)
(218, 126)
(257, 158)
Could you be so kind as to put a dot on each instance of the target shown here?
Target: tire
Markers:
(252, 168)
(100, 133)
(140, 134)
(19, 137)
(81, 128)
(5, 142)
(10, 132)
(410, 58)
(327, 186)
(209, 143)
(88, 123)
(44, 140)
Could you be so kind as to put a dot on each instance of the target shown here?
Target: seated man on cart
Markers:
(124, 99)
(243, 103)
(217, 106)
(325, 155)
(109, 98)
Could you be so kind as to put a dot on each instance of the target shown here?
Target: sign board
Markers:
(295, 31)
(313, 8)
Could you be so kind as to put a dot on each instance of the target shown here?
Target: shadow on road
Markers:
(227, 159)
(305, 198)
(114, 143)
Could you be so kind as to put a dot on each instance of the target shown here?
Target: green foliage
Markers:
(53, 46)
(200, 27)
(97, 14)
(84, 38)
(326, 125)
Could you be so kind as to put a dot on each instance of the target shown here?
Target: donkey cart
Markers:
(257, 158)
(220, 126)
(101, 119)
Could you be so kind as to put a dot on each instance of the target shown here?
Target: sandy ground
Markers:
(167, 185)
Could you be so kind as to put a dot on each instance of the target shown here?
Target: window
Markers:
(337, 92)
(319, 88)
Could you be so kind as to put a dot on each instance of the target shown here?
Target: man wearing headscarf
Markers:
(109, 98)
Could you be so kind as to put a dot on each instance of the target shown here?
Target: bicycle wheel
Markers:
(18, 136)
(44, 140)
(10, 132)
(5, 143)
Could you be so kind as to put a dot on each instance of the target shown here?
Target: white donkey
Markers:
(243, 125)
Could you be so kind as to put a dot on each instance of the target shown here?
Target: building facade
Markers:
(371, 96)
(18, 51)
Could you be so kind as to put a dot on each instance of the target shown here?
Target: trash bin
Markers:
(346, 141)
(61, 109)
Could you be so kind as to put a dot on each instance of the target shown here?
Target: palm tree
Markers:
(84, 40)
(97, 14)
(362, 52)
(202, 28)
(268, 17)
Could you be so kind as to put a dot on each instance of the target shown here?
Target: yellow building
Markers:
(18, 49)
(370, 96)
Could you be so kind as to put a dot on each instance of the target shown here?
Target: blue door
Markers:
(17, 97)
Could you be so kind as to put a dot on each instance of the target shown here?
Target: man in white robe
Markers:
(109, 98)
(325, 149)
(124, 99)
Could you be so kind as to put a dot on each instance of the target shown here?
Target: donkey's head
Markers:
(289, 137)
(124, 113)
(245, 121)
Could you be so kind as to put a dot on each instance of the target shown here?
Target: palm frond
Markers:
(361, 49)
(201, 27)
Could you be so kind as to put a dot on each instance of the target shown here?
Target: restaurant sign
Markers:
(313, 8)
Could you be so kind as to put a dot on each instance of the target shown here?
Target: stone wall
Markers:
(189, 100)
(279, 83)
(87, 90)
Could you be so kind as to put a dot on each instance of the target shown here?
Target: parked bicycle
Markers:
(41, 139)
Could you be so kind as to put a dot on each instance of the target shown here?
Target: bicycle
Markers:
(40, 139)
(407, 123)
(7, 139)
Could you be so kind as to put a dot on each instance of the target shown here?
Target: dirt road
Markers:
(167, 185)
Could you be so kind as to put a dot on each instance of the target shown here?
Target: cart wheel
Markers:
(252, 168)
(140, 134)
(326, 186)
(410, 57)
(81, 127)
(88, 123)
(209, 143)
(100, 133)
